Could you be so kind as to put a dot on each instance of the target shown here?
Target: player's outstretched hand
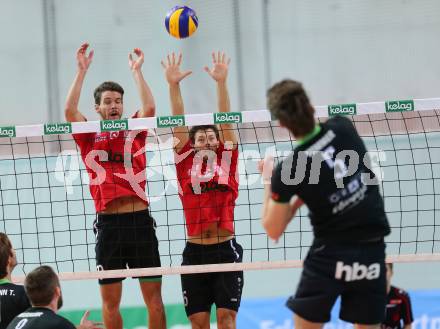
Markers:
(173, 73)
(89, 324)
(136, 64)
(220, 66)
(82, 59)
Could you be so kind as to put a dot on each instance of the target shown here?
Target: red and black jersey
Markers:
(116, 164)
(398, 312)
(207, 188)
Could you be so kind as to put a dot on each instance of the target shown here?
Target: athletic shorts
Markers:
(355, 272)
(126, 241)
(223, 289)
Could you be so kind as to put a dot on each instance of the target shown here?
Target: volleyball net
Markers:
(47, 210)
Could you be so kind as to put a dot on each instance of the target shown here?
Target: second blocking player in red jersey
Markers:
(206, 165)
(124, 229)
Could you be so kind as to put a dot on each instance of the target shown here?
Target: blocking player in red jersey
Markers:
(124, 228)
(399, 312)
(206, 165)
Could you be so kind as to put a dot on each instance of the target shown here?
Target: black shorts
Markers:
(126, 241)
(223, 289)
(356, 272)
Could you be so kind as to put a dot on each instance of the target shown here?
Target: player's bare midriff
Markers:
(125, 204)
(211, 235)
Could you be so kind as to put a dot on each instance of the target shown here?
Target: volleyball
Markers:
(181, 22)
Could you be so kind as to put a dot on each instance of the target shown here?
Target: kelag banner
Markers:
(270, 313)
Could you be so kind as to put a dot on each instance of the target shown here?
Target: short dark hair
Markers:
(40, 285)
(289, 103)
(5, 253)
(107, 86)
(193, 131)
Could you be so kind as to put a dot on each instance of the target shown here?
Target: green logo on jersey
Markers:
(342, 109)
(57, 128)
(170, 121)
(114, 125)
(227, 117)
(7, 132)
(399, 106)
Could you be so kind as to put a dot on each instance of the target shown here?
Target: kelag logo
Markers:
(7, 132)
(342, 109)
(57, 128)
(170, 121)
(227, 117)
(114, 125)
(399, 106)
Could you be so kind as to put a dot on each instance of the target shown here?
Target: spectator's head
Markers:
(43, 288)
(8, 259)
(289, 103)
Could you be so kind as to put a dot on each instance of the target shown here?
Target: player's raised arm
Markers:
(148, 106)
(71, 111)
(219, 72)
(174, 75)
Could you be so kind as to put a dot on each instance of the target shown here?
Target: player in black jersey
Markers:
(13, 299)
(44, 291)
(399, 312)
(328, 171)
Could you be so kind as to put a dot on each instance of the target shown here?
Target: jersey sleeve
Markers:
(406, 309)
(281, 192)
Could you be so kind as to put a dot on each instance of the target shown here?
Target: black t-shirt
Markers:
(399, 312)
(13, 301)
(40, 318)
(343, 198)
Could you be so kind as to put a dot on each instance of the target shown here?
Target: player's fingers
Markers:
(130, 57)
(163, 64)
(86, 315)
(213, 57)
(179, 60)
(168, 59)
(174, 58)
(90, 55)
(84, 46)
(223, 58)
(207, 70)
(218, 56)
(186, 73)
